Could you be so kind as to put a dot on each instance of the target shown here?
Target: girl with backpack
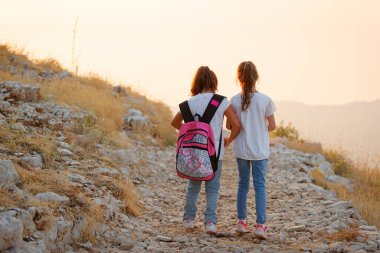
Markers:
(203, 90)
(251, 147)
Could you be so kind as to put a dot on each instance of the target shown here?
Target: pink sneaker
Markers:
(242, 227)
(210, 228)
(260, 231)
(188, 223)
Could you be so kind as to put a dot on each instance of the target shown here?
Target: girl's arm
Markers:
(228, 123)
(177, 121)
(271, 122)
(233, 121)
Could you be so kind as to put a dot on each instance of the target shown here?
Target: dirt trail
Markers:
(298, 211)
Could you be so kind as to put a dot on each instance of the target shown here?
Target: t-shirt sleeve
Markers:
(225, 104)
(233, 103)
(271, 108)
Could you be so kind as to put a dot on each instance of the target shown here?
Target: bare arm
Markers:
(177, 121)
(233, 121)
(228, 123)
(271, 122)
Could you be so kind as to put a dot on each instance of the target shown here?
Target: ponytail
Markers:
(247, 76)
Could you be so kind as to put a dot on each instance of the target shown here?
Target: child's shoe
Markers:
(210, 228)
(242, 226)
(260, 231)
(188, 223)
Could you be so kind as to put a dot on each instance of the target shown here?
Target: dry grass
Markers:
(340, 162)
(366, 181)
(17, 141)
(160, 117)
(8, 199)
(92, 216)
(305, 146)
(49, 63)
(125, 190)
(288, 131)
(37, 181)
(122, 189)
(348, 234)
(366, 197)
(109, 110)
(95, 94)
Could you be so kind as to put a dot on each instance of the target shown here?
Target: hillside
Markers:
(84, 167)
(353, 127)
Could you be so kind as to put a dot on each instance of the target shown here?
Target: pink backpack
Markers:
(196, 155)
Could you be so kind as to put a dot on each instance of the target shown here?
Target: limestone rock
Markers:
(8, 174)
(51, 197)
(135, 119)
(341, 180)
(10, 232)
(326, 168)
(34, 160)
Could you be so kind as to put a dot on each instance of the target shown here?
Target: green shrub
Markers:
(288, 131)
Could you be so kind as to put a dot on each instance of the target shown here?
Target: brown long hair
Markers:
(247, 76)
(204, 79)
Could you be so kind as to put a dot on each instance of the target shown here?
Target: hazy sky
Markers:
(312, 51)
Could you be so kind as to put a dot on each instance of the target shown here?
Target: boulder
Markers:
(342, 181)
(326, 168)
(108, 171)
(21, 92)
(8, 174)
(51, 197)
(10, 231)
(34, 160)
(135, 119)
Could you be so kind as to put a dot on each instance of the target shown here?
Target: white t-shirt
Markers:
(198, 104)
(252, 143)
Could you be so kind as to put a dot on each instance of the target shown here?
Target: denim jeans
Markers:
(259, 169)
(212, 195)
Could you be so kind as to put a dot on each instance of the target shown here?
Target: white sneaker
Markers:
(188, 223)
(242, 227)
(210, 228)
(260, 231)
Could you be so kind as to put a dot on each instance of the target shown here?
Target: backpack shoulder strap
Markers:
(186, 112)
(211, 108)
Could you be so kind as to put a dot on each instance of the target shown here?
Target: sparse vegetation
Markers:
(94, 94)
(338, 158)
(17, 141)
(287, 131)
(366, 196)
(291, 134)
(347, 234)
(366, 181)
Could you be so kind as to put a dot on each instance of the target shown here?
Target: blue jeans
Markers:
(259, 169)
(212, 195)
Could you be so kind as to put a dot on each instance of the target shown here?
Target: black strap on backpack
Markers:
(186, 112)
(207, 116)
(211, 108)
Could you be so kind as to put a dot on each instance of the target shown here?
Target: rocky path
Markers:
(299, 212)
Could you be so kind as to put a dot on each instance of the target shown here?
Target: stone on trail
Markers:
(299, 228)
(163, 238)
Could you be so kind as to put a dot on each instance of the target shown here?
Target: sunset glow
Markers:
(317, 52)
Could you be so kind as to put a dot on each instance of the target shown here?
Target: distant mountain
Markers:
(355, 127)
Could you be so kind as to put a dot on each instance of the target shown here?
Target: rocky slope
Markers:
(62, 191)
(301, 215)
